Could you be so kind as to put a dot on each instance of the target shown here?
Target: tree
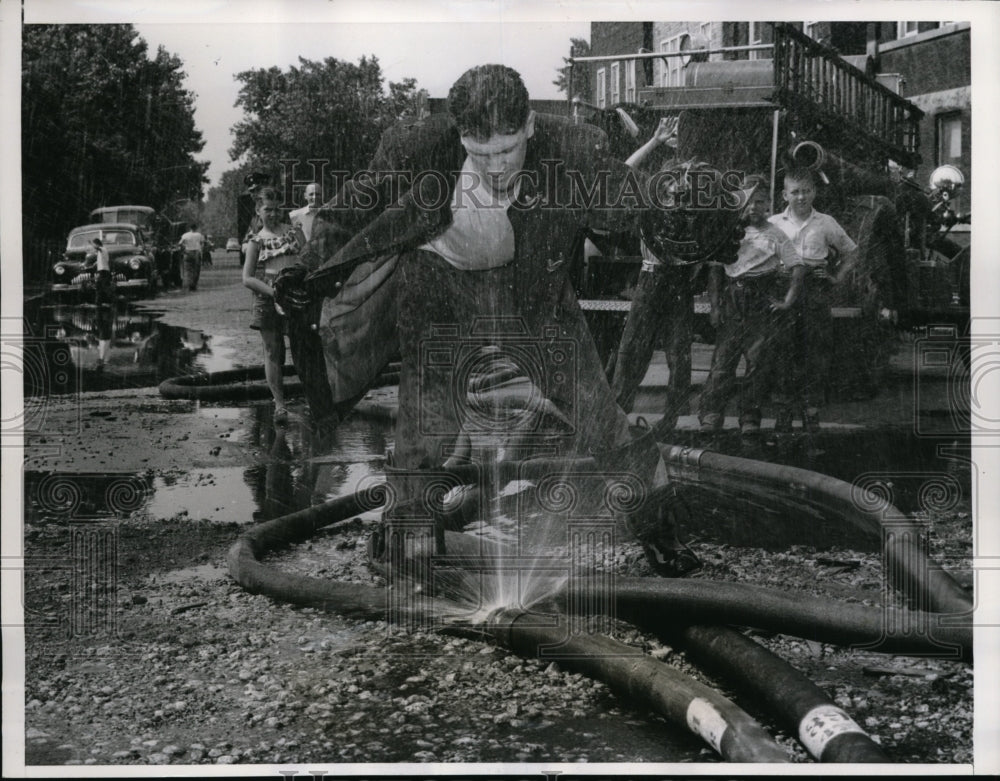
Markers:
(583, 72)
(102, 123)
(219, 216)
(333, 111)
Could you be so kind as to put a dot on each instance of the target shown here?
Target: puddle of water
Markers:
(294, 472)
(222, 495)
(83, 347)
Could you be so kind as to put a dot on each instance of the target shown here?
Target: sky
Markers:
(433, 41)
(214, 53)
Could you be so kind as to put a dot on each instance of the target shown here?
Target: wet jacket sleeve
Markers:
(611, 193)
(374, 212)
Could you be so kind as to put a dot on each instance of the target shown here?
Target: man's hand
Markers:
(290, 293)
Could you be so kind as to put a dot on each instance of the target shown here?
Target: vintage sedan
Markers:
(133, 269)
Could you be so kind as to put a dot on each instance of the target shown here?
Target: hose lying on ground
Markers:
(642, 681)
(908, 568)
(646, 681)
(827, 732)
(244, 384)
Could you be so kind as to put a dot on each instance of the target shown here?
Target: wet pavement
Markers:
(247, 470)
(191, 474)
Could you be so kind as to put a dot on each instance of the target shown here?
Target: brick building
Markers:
(928, 62)
(933, 60)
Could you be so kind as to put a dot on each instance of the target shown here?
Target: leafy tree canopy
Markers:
(583, 72)
(331, 111)
(102, 123)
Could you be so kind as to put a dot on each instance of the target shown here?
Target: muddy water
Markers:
(81, 347)
(294, 471)
(88, 348)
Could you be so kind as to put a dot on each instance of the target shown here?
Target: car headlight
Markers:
(59, 269)
(135, 263)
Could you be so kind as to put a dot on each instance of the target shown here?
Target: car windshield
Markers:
(111, 238)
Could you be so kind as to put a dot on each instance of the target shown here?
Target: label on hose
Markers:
(705, 720)
(822, 724)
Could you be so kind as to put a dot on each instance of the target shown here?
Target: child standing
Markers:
(814, 235)
(763, 283)
(662, 310)
(104, 286)
(271, 249)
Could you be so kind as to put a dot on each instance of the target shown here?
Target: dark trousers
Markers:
(750, 329)
(191, 269)
(104, 288)
(452, 321)
(803, 379)
(662, 309)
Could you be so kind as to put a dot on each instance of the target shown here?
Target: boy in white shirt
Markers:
(752, 316)
(814, 235)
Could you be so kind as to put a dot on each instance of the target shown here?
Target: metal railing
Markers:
(812, 78)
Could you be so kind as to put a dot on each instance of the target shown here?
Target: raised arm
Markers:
(665, 133)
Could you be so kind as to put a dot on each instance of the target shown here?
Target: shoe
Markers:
(280, 415)
(810, 419)
(711, 422)
(749, 428)
(672, 563)
(783, 421)
(655, 528)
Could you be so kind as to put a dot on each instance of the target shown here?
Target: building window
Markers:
(811, 29)
(949, 138)
(615, 83)
(670, 70)
(630, 96)
(906, 29)
(602, 87)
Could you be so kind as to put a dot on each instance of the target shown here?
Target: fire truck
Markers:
(805, 106)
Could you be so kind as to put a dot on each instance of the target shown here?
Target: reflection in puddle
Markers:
(198, 573)
(83, 347)
(295, 471)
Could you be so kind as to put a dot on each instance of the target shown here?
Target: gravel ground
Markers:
(187, 668)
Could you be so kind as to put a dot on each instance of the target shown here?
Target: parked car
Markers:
(133, 268)
(162, 233)
(233, 245)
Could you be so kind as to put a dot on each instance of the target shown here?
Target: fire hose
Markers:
(798, 703)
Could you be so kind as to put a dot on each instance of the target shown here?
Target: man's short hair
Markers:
(489, 100)
(802, 174)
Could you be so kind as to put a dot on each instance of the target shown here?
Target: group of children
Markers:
(773, 308)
